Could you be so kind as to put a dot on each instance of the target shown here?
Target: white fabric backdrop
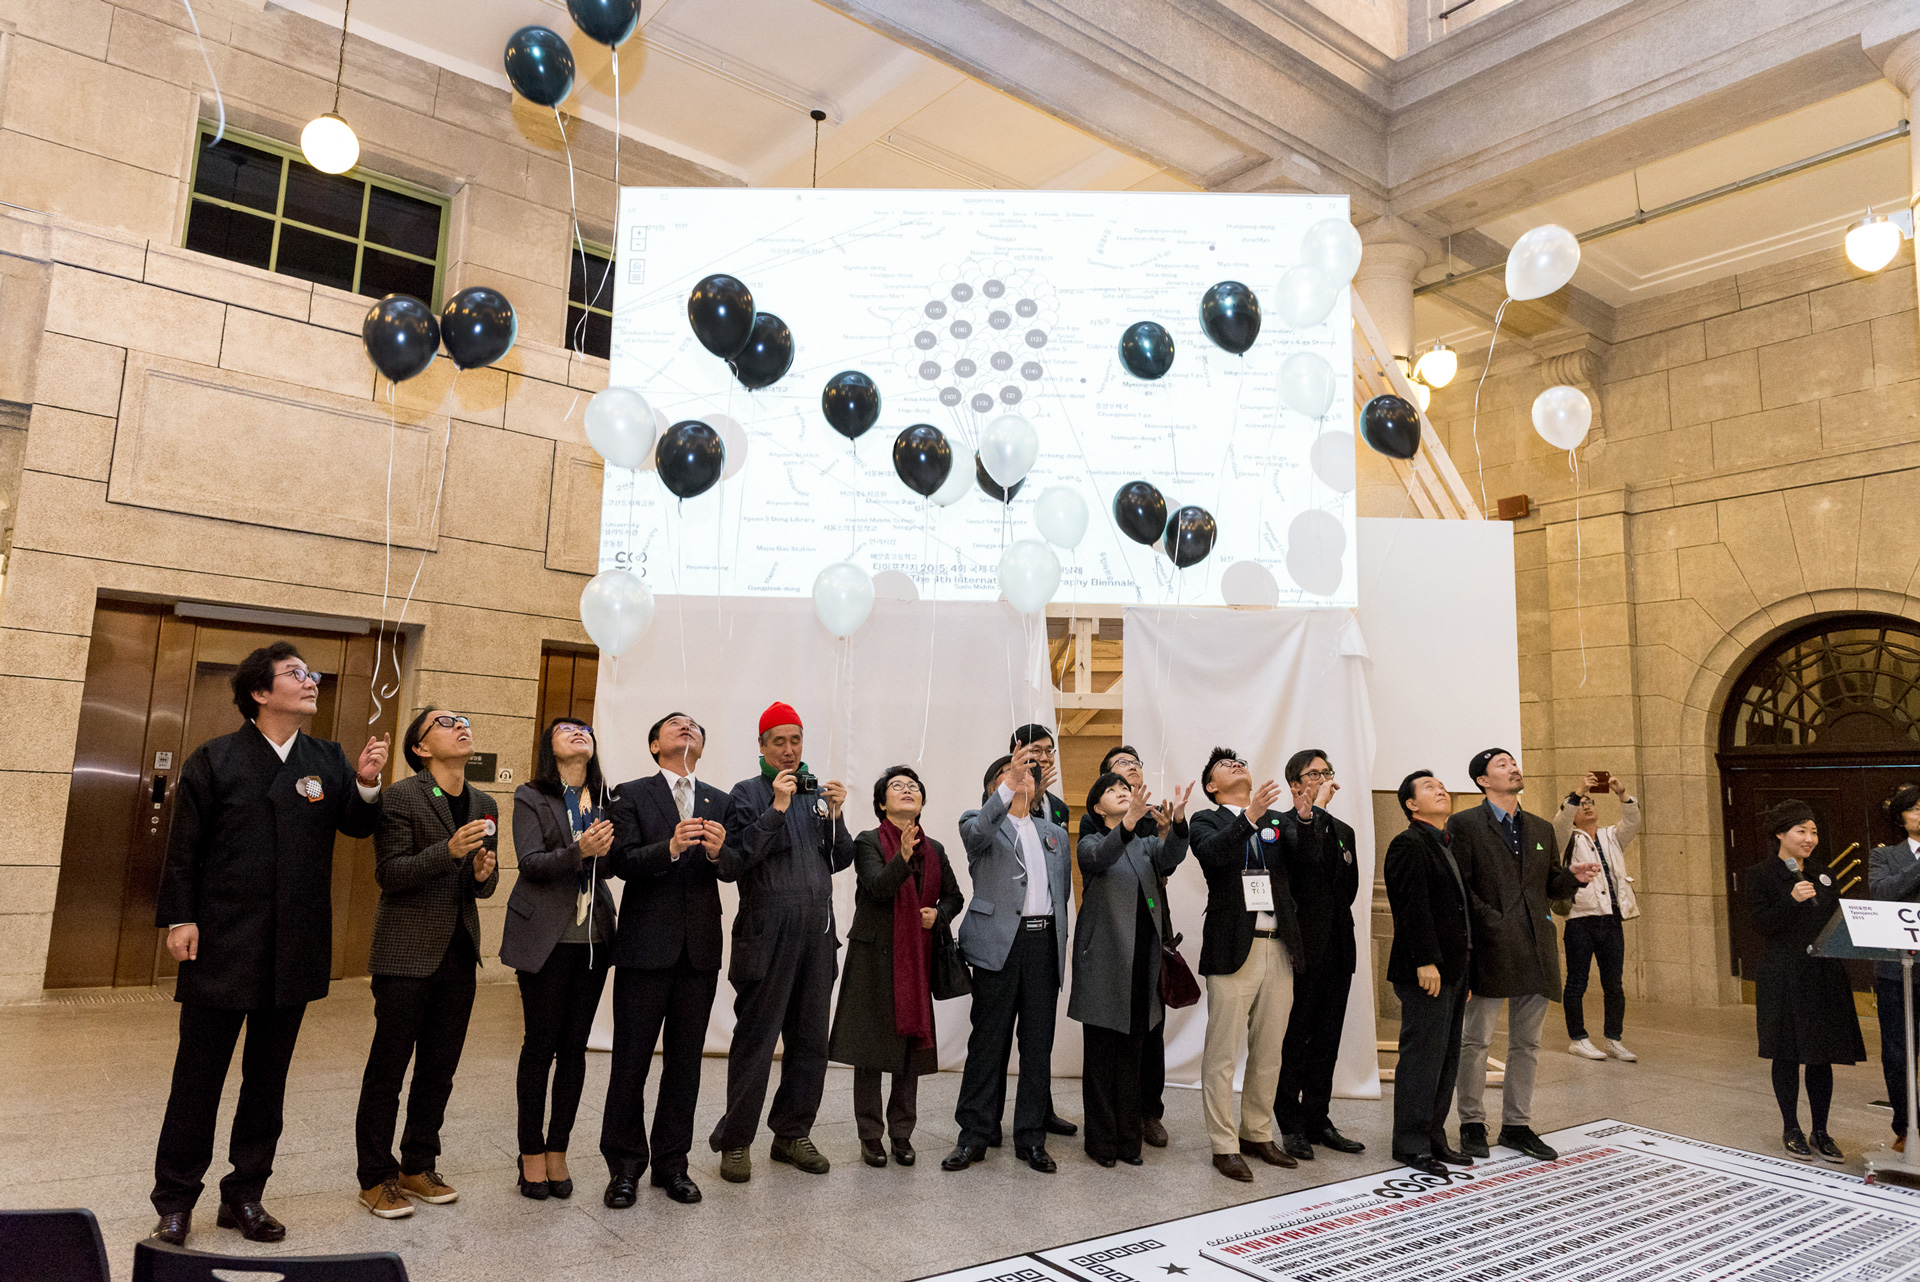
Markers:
(954, 677)
(1265, 683)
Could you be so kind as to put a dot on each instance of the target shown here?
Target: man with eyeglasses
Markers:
(246, 898)
(1324, 877)
(1045, 803)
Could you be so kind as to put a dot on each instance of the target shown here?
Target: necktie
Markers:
(683, 797)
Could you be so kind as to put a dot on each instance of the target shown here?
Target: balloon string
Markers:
(1579, 610)
(1478, 462)
(933, 622)
(386, 581)
(220, 102)
(579, 242)
(607, 270)
(433, 524)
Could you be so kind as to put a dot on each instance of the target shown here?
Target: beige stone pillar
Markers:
(1392, 253)
(1902, 67)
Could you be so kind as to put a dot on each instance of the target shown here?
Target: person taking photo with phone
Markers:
(1596, 913)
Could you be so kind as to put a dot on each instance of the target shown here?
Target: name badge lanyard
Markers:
(1257, 887)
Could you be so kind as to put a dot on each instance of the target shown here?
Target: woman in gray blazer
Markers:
(1116, 955)
(558, 938)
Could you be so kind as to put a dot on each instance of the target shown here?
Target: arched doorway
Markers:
(1829, 713)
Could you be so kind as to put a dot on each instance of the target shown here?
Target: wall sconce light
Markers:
(1437, 366)
(1874, 240)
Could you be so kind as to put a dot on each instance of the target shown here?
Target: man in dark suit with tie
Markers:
(670, 846)
(1323, 877)
(246, 896)
(1508, 860)
(1893, 874)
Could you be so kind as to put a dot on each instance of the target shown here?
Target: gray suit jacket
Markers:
(423, 890)
(1000, 884)
(547, 890)
(1119, 872)
(1893, 874)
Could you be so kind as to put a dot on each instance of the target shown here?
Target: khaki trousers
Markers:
(1251, 1004)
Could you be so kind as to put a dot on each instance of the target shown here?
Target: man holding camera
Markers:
(1595, 914)
(791, 840)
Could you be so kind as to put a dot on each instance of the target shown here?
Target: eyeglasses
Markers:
(1316, 776)
(1231, 761)
(1038, 751)
(575, 727)
(301, 676)
(903, 785)
(448, 723)
(1117, 763)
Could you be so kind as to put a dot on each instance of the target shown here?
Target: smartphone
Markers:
(1039, 777)
(1602, 780)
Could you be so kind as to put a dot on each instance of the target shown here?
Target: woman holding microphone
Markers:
(558, 937)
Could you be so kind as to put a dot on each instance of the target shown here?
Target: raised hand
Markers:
(688, 832)
(836, 794)
(908, 836)
(467, 838)
(1138, 803)
(483, 865)
(597, 840)
(1325, 794)
(1262, 801)
(373, 762)
(784, 786)
(1804, 890)
(714, 836)
(1180, 802)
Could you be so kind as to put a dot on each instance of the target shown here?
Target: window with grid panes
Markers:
(256, 201)
(590, 300)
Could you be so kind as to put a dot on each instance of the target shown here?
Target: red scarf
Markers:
(912, 942)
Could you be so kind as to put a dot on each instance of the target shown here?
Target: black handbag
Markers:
(947, 969)
(1178, 988)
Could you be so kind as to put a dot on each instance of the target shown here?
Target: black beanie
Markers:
(1785, 815)
(1478, 766)
(1099, 790)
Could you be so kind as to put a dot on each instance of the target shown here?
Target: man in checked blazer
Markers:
(670, 844)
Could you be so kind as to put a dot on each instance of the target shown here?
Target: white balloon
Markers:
(843, 597)
(1008, 448)
(1061, 515)
(1541, 261)
(1306, 383)
(1306, 297)
(1333, 246)
(617, 607)
(1562, 416)
(620, 427)
(1029, 575)
(958, 485)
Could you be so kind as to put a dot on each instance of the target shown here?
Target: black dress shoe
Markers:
(872, 1153)
(1523, 1138)
(903, 1152)
(680, 1187)
(537, 1190)
(173, 1227)
(1473, 1139)
(1135, 1160)
(1425, 1165)
(1105, 1161)
(622, 1190)
(1297, 1147)
(1153, 1131)
(963, 1156)
(1451, 1156)
(1058, 1125)
(1037, 1157)
(252, 1220)
(1333, 1139)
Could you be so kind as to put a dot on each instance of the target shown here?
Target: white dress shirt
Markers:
(1261, 921)
(1039, 901)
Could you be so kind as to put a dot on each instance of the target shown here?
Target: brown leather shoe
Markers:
(1268, 1152)
(1233, 1166)
(1153, 1131)
(173, 1227)
(428, 1187)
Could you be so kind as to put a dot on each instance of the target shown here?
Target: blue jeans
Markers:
(1590, 938)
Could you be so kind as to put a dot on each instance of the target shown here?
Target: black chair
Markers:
(51, 1246)
(160, 1262)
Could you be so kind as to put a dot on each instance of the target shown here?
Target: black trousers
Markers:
(207, 1037)
(1312, 1047)
(1023, 993)
(678, 999)
(1893, 1043)
(1590, 939)
(1429, 1062)
(423, 1020)
(557, 1002)
(1153, 1072)
(792, 1005)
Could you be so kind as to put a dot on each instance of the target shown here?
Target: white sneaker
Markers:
(1585, 1049)
(1620, 1052)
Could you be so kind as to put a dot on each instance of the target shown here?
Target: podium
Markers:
(1879, 930)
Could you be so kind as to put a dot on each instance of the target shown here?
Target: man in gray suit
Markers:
(1015, 937)
(1893, 873)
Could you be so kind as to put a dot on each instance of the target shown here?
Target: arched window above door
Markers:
(1844, 684)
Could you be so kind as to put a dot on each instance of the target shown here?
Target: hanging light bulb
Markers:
(328, 142)
(1872, 242)
(1437, 367)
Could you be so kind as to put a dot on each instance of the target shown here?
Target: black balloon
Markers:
(540, 65)
(768, 354)
(1190, 535)
(1392, 426)
(720, 309)
(923, 458)
(991, 486)
(1146, 349)
(690, 458)
(851, 403)
(1230, 314)
(478, 327)
(608, 21)
(1140, 510)
(402, 336)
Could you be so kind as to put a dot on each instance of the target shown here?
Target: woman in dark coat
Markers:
(559, 940)
(884, 1022)
(1805, 1004)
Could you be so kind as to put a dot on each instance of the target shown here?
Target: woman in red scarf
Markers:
(884, 1023)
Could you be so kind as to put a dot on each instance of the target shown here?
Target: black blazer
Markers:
(1516, 951)
(1323, 877)
(1803, 1005)
(250, 861)
(1430, 926)
(547, 890)
(424, 891)
(1219, 842)
(670, 906)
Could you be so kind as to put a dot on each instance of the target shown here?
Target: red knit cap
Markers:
(778, 714)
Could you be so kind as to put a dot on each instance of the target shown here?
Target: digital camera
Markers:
(805, 784)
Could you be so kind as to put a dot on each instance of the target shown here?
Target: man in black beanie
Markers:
(1507, 859)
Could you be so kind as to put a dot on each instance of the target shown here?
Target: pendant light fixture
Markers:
(328, 142)
(1437, 366)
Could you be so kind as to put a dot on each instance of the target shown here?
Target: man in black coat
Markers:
(1323, 877)
(1512, 870)
(1432, 945)
(246, 898)
(670, 845)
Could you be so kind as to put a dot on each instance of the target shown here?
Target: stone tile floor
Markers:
(86, 1086)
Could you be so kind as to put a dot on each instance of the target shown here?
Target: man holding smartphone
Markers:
(1596, 913)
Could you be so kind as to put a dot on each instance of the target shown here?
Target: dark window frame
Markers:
(584, 251)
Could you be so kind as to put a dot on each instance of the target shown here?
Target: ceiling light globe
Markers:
(1872, 242)
(1437, 367)
(1423, 396)
(329, 144)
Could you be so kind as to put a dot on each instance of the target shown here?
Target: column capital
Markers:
(1901, 65)
(1393, 247)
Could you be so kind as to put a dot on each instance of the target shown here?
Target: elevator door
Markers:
(157, 687)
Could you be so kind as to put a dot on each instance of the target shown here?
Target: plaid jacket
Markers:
(423, 891)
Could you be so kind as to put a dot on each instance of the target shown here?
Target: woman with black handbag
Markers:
(904, 904)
